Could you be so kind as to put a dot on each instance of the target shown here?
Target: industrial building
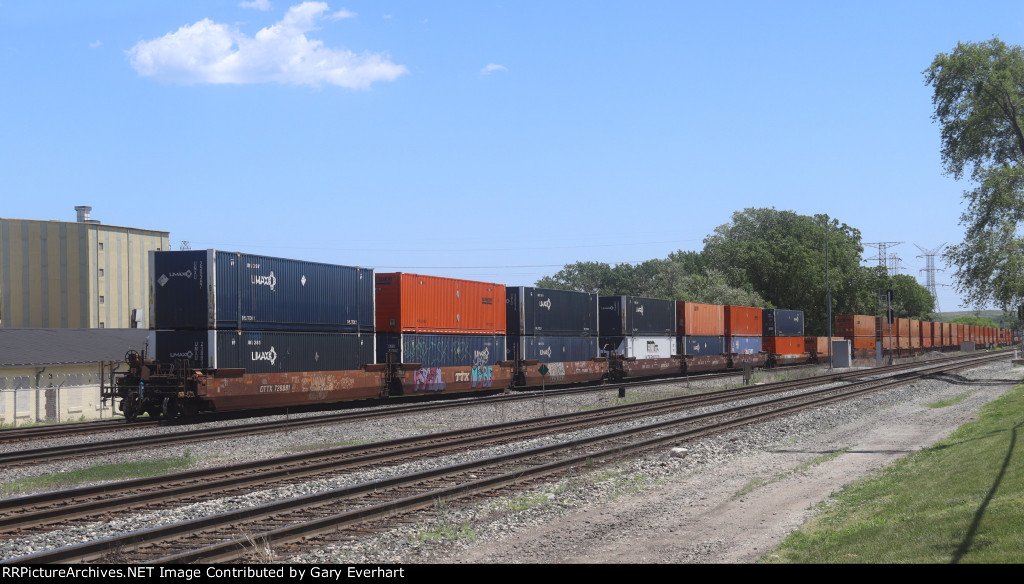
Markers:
(79, 275)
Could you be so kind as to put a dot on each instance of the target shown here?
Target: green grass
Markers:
(951, 401)
(101, 473)
(960, 501)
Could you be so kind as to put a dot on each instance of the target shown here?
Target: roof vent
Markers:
(83, 214)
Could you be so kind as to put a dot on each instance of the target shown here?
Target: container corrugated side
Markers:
(784, 345)
(210, 289)
(743, 321)
(551, 349)
(702, 345)
(541, 311)
(643, 347)
(696, 318)
(266, 351)
(745, 345)
(636, 315)
(417, 303)
(783, 323)
(436, 350)
(856, 325)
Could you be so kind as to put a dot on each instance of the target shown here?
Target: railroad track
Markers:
(205, 432)
(298, 518)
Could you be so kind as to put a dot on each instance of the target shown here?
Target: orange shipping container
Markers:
(784, 345)
(856, 325)
(743, 321)
(432, 304)
(819, 345)
(703, 320)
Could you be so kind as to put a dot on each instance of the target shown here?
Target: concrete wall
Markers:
(52, 394)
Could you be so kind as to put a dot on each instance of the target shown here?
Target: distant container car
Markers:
(413, 303)
(265, 351)
(541, 311)
(783, 323)
(211, 289)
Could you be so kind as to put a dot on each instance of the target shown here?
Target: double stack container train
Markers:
(239, 331)
(907, 337)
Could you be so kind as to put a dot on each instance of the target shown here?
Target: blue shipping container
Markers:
(745, 345)
(551, 349)
(783, 323)
(539, 311)
(701, 345)
(266, 351)
(210, 289)
(442, 350)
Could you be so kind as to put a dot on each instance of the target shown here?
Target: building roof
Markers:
(56, 346)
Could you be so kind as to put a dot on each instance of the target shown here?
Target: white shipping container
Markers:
(644, 347)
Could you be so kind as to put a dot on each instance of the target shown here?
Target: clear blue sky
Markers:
(486, 140)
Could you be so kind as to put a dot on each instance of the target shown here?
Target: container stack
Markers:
(452, 330)
(784, 334)
(744, 330)
(217, 309)
(637, 328)
(861, 330)
(550, 326)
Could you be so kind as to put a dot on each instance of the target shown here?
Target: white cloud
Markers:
(95, 44)
(491, 68)
(209, 52)
(257, 4)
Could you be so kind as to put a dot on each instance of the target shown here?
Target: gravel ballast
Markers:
(663, 508)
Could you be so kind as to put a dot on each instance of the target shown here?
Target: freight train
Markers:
(234, 331)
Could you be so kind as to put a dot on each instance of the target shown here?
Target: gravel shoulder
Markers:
(695, 514)
(729, 499)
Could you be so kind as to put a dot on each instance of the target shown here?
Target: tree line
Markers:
(765, 258)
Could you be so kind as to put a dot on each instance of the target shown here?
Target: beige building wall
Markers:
(58, 274)
(53, 394)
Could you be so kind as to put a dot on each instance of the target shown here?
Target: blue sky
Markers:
(484, 140)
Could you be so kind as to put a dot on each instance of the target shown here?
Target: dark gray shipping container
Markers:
(210, 289)
(551, 349)
(442, 350)
(701, 345)
(541, 311)
(266, 351)
(783, 323)
(635, 315)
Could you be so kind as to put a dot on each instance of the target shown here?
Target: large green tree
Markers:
(979, 103)
(781, 256)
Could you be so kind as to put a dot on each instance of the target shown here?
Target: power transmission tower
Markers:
(930, 269)
(887, 260)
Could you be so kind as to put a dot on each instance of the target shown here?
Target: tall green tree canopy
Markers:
(765, 258)
(979, 103)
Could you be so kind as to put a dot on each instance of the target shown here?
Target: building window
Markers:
(101, 246)
(101, 325)
(101, 272)
(101, 300)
